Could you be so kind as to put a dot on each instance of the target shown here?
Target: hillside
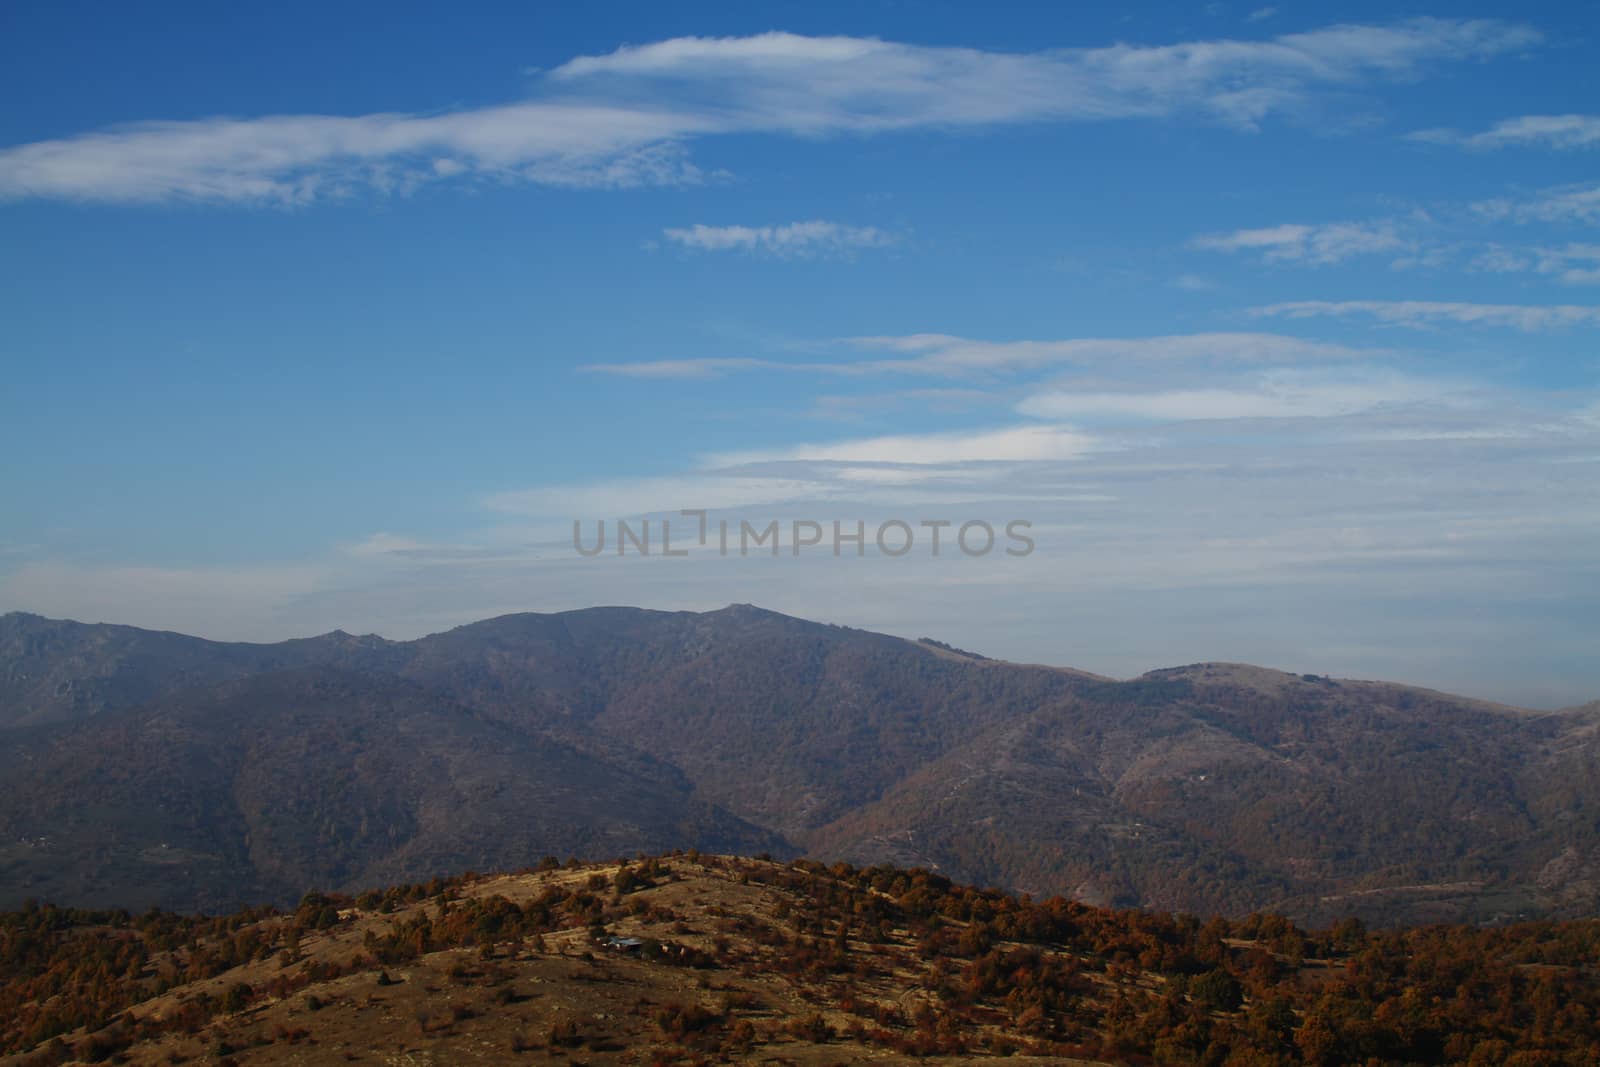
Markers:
(147, 768)
(698, 959)
(253, 790)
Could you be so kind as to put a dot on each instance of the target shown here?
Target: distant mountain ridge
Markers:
(144, 767)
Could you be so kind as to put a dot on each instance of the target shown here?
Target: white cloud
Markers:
(645, 496)
(832, 84)
(1498, 259)
(897, 474)
(381, 545)
(298, 158)
(1529, 317)
(1574, 264)
(1569, 203)
(1319, 244)
(816, 237)
(943, 355)
(1571, 264)
(1545, 131)
(946, 355)
(623, 118)
(866, 473)
(1275, 394)
(1016, 443)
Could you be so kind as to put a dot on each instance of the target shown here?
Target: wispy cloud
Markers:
(814, 238)
(644, 496)
(299, 158)
(1527, 317)
(383, 544)
(1312, 244)
(1574, 264)
(1014, 444)
(832, 84)
(1272, 394)
(943, 355)
(625, 118)
(1498, 259)
(1568, 203)
(1541, 131)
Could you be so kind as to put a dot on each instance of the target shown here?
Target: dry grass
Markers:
(569, 1000)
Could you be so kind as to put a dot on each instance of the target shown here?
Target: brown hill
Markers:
(695, 959)
(56, 670)
(255, 789)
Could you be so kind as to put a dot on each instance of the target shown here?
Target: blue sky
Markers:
(1276, 322)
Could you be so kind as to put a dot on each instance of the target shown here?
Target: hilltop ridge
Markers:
(692, 958)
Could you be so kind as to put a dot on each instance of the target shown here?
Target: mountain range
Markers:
(144, 768)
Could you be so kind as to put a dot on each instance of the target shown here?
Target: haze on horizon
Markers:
(1277, 327)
